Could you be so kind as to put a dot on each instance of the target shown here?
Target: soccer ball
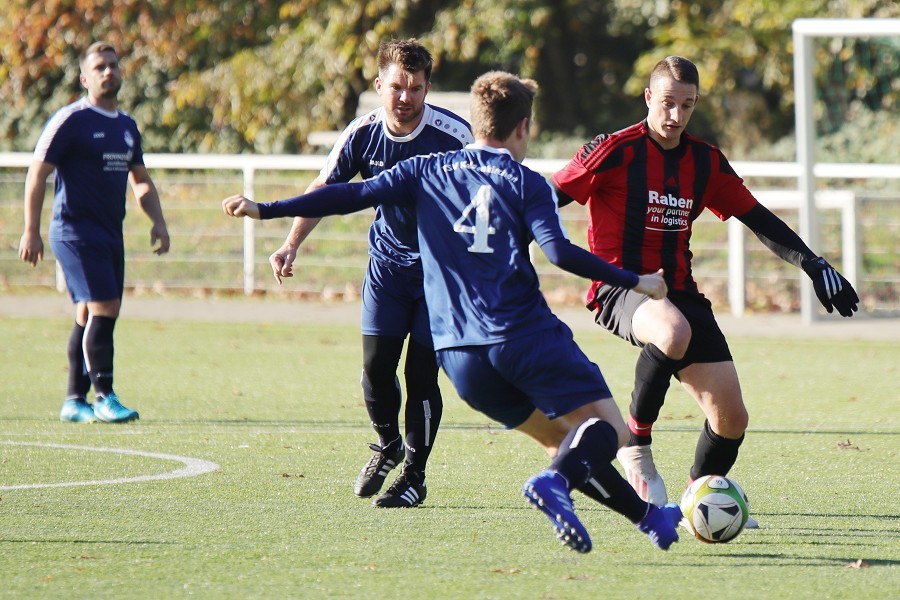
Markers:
(715, 508)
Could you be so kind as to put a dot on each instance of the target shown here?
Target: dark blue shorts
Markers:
(507, 381)
(94, 271)
(393, 303)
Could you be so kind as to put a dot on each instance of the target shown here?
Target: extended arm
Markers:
(335, 199)
(31, 246)
(569, 257)
(776, 235)
(148, 200)
(832, 289)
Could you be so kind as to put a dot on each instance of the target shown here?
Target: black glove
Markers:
(831, 288)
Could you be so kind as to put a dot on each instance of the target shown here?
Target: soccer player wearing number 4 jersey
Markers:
(506, 353)
(644, 187)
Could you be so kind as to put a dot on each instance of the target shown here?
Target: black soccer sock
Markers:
(652, 375)
(424, 404)
(715, 455)
(381, 389)
(98, 353)
(610, 489)
(585, 449)
(79, 383)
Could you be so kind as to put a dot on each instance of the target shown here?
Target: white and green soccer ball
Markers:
(715, 508)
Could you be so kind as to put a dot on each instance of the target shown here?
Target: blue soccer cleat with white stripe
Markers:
(548, 492)
(661, 524)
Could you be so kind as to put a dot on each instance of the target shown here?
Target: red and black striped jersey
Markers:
(643, 200)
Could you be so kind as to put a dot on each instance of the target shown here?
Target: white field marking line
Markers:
(192, 467)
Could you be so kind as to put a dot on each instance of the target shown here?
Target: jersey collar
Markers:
(477, 146)
(426, 117)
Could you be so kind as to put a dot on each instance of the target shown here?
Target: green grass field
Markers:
(279, 409)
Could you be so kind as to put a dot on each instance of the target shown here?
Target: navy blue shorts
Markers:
(94, 271)
(708, 344)
(545, 370)
(393, 303)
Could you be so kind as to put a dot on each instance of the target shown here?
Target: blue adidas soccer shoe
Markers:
(110, 410)
(77, 410)
(548, 492)
(661, 524)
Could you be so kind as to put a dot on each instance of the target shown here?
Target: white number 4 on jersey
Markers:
(481, 203)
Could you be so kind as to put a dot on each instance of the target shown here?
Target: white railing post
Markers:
(851, 252)
(737, 264)
(806, 182)
(249, 232)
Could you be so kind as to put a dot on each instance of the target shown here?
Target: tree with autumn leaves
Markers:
(259, 76)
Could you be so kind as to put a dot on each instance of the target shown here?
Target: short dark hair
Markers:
(95, 48)
(410, 55)
(677, 68)
(499, 101)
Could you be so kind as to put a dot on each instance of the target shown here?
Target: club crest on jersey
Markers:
(666, 212)
(129, 139)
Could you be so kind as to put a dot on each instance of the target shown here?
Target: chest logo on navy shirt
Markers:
(666, 212)
(376, 163)
(99, 135)
(129, 139)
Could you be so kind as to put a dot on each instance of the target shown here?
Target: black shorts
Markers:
(616, 308)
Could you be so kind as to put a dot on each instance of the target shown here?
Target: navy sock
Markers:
(610, 489)
(381, 389)
(79, 383)
(585, 460)
(424, 404)
(98, 353)
(585, 449)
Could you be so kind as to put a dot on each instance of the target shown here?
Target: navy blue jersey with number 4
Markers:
(478, 210)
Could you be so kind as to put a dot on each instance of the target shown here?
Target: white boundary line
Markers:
(192, 467)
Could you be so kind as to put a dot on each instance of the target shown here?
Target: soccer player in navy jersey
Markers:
(506, 353)
(644, 187)
(393, 299)
(94, 150)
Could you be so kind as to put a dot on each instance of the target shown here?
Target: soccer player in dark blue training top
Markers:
(95, 151)
(506, 353)
(392, 296)
(645, 186)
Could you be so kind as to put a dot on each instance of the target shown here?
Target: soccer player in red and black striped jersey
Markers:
(644, 187)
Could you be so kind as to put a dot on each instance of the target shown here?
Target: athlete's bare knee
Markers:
(731, 423)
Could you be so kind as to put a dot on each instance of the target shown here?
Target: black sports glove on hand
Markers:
(831, 288)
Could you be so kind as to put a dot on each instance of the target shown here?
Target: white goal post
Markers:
(804, 30)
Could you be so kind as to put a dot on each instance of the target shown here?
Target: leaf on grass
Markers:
(578, 577)
(857, 564)
(848, 445)
(512, 571)
(293, 475)
(87, 557)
